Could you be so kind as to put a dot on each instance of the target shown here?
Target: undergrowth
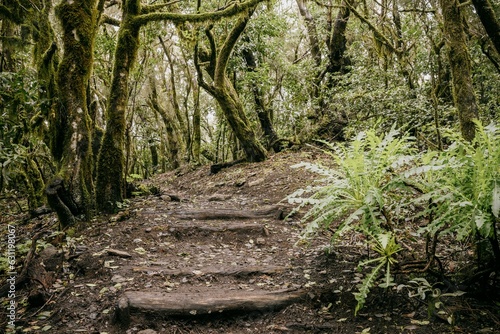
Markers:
(382, 181)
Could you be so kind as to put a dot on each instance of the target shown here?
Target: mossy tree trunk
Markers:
(330, 123)
(460, 63)
(71, 191)
(488, 18)
(196, 142)
(226, 95)
(183, 124)
(110, 184)
(173, 133)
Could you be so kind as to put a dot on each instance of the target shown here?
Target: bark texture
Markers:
(110, 185)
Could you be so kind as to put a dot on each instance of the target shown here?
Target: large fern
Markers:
(357, 194)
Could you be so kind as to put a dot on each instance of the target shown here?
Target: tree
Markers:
(487, 15)
(458, 56)
(325, 72)
(110, 169)
(71, 191)
(223, 90)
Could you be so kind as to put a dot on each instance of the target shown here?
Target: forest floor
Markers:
(216, 254)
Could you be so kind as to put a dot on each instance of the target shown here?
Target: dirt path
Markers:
(216, 254)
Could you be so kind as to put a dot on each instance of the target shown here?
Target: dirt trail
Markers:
(216, 254)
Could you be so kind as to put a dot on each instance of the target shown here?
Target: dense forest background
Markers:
(404, 95)
(98, 92)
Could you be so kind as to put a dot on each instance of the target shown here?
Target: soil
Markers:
(202, 237)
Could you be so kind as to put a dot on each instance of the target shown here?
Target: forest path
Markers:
(222, 246)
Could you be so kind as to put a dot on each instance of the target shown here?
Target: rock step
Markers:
(274, 212)
(203, 302)
(212, 270)
(181, 229)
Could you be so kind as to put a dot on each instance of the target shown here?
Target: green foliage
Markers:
(359, 193)
(464, 183)
(385, 245)
(378, 177)
(361, 185)
(421, 288)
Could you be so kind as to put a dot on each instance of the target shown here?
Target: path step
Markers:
(180, 229)
(212, 270)
(203, 302)
(274, 212)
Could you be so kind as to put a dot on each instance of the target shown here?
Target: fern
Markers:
(464, 183)
(357, 193)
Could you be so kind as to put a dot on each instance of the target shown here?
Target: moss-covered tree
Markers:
(458, 54)
(489, 19)
(70, 192)
(110, 184)
(223, 90)
(329, 123)
(264, 113)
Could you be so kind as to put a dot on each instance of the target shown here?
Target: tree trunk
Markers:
(460, 63)
(337, 42)
(196, 142)
(263, 113)
(314, 43)
(110, 186)
(72, 188)
(487, 15)
(224, 92)
(172, 132)
(330, 123)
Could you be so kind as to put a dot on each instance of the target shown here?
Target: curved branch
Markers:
(229, 11)
(154, 8)
(488, 18)
(110, 20)
(374, 29)
(199, 72)
(227, 48)
(213, 47)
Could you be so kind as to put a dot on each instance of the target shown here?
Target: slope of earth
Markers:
(215, 254)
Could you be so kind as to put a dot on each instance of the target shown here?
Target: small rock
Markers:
(260, 241)
(256, 182)
(219, 198)
(121, 216)
(118, 279)
(240, 183)
(118, 253)
(165, 198)
(148, 230)
(147, 331)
